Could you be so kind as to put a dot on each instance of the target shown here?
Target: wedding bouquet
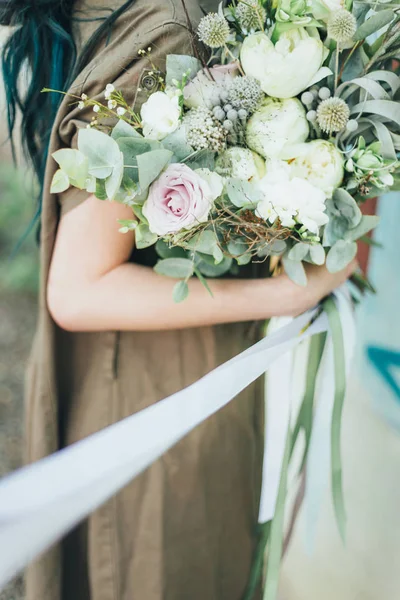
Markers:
(266, 150)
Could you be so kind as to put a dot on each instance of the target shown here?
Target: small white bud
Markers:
(84, 97)
(112, 104)
(324, 93)
(312, 116)
(81, 105)
(307, 98)
(228, 125)
(228, 107)
(243, 114)
(352, 126)
(232, 115)
(96, 108)
(110, 88)
(121, 111)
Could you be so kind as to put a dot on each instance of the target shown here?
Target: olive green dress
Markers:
(184, 529)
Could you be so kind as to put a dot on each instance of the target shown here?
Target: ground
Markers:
(17, 322)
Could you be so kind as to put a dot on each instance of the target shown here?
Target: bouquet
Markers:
(264, 152)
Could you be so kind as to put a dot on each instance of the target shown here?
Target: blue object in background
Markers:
(379, 317)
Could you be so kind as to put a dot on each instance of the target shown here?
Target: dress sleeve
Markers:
(119, 63)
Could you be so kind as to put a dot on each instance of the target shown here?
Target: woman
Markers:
(110, 341)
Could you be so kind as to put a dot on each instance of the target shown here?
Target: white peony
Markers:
(276, 126)
(321, 163)
(289, 66)
(241, 163)
(291, 201)
(160, 115)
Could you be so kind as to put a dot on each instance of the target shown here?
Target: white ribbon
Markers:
(41, 502)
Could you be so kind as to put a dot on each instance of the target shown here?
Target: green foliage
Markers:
(178, 64)
(177, 268)
(295, 271)
(340, 255)
(18, 266)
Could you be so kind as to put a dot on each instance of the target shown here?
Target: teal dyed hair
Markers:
(41, 49)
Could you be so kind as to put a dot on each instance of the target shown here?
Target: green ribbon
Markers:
(335, 327)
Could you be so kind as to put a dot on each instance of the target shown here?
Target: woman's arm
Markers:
(93, 287)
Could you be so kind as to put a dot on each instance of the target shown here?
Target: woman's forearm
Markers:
(133, 297)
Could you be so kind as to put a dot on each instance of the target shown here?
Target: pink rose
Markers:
(178, 200)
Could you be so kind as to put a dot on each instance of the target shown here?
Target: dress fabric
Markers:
(184, 529)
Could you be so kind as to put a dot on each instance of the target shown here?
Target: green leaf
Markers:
(165, 251)
(335, 230)
(299, 251)
(242, 193)
(113, 183)
(100, 192)
(177, 143)
(151, 165)
(317, 254)
(101, 151)
(340, 255)
(74, 164)
(124, 130)
(373, 24)
(206, 242)
(178, 64)
(257, 567)
(295, 271)
(384, 108)
(207, 267)
(203, 282)
(181, 292)
(335, 328)
(367, 223)
(347, 206)
(203, 159)
(131, 148)
(144, 237)
(60, 182)
(178, 268)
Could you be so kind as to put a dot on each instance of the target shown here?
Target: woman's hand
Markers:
(297, 299)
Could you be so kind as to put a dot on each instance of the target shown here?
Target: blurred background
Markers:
(367, 568)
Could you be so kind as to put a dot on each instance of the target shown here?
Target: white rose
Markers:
(241, 163)
(321, 163)
(160, 115)
(289, 66)
(291, 200)
(215, 182)
(276, 126)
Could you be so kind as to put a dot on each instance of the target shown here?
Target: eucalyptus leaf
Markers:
(295, 271)
(101, 151)
(237, 247)
(144, 237)
(242, 193)
(203, 159)
(243, 260)
(151, 165)
(299, 251)
(100, 191)
(177, 268)
(277, 247)
(178, 64)
(317, 254)
(131, 148)
(373, 24)
(124, 130)
(165, 251)
(74, 164)
(367, 223)
(113, 183)
(180, 292)
(207, 267)
(60, 182)
(340, 255)
(206, 242)
(177, 143)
